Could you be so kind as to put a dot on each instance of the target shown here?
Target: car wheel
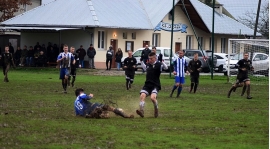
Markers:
(220, 68)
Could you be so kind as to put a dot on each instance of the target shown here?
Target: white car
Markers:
(221, 59)
(165, 51)
(260, 62)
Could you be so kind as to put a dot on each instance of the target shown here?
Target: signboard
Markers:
(168, 27)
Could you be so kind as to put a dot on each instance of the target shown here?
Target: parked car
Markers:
(260, 62)
(204, 56)
(221, 59)
(165, 51)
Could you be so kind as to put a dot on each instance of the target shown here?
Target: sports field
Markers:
(34, 113)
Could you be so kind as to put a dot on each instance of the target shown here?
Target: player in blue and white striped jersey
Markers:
(180, 68)
(65, 59)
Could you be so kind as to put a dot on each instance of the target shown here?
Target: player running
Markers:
(73, 67)
(180, 67)
(152, 84)
(244, 65)
(7, 60)
(65, 59)
(194, 67)
(129, 66)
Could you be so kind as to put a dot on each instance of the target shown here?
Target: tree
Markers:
(9, 7)
(263, 23)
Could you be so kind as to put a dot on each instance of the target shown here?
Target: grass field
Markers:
(34, 113)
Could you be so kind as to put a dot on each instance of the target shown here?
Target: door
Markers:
(146, 43)
(114, 45)
(178, 46)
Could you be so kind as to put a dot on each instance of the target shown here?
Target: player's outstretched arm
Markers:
(164, 66)
(143, 66)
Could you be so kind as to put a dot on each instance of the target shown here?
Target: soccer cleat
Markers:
(141, 113)
(156, 112)
(171, 94)
(72, 84)
(65, 92)
(249, 97)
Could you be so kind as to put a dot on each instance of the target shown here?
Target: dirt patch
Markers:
(102, 72)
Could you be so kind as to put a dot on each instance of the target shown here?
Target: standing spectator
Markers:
(48, 47)
(118, 57)
(91, 52)
(81, 54)
(41, 60)
(7, 60)
(194, 67)
(159, 56)
(36, 55)
(43, 48)
(30, 55)
(109, 57)
(23, 55)
(17, 56)
(129, 66)
(180, 67)
(37, 46)
(144, 55)
(51, 54)
(11, 49)
(56, 51)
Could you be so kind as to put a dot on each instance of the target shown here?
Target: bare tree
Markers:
(263, 24)
(9, 7)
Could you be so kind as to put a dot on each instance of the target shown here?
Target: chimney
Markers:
(218, 8)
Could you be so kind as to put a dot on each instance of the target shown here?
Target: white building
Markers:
(125, 24)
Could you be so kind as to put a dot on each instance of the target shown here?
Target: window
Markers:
(101, 37)
(129, 46)
(219, 57)
(166, 52)
(188, 42)
(200, 40)
(223, 45)
(156, 39)
(133, 35)
(125, 35)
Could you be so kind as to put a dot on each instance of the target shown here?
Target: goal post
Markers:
(258, 50)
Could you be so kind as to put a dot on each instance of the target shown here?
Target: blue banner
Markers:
(168, 27)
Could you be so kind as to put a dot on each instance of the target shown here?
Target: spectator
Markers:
(144, 55)
(42, 60)
(51, 54)
(48, 48)
(11, 49)
(17, 56)
(43, 48)
(30, 55)
(91, 52)
(37, 46)
(23, 55)
(36, 55)
(56, 51)
(118, 57)
(109, 57)
(81, 54)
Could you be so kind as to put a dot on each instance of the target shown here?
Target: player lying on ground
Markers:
(94, 110)
(244, 65)
(152, 83)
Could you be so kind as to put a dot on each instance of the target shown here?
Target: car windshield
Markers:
(237, 56)
(137, 53)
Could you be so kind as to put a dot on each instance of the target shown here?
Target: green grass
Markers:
(34, 113)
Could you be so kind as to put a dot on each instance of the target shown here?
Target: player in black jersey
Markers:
(73, 67)
(129, 65)
(152, 84)
(244, 65)
(7, 60)
(194, 67)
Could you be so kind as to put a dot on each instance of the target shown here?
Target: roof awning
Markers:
(35, 28)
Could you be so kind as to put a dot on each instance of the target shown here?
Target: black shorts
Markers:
(241, 80)
(148, 90)
(73, 72)
(194, 79)
(129, 77)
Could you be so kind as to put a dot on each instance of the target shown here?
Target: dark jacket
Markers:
(30, 53)
(17, 54)
(81, 53)
(110, 54)
(91, 52)
(118, 57)
(145, 53)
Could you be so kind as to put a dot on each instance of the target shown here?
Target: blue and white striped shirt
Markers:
(180, 64)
